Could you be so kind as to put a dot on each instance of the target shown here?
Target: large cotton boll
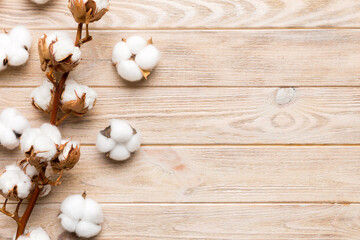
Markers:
(21, 35)
(120, 52)
(87, 229)
(73, 206)
(92, 211)
(104, 144)
(148, 58)
(119, 153)
(129, 70)
(68, 223)
(121, 131)
(136, 44)
(17, 55)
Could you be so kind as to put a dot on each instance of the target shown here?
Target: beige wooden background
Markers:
(225, 156)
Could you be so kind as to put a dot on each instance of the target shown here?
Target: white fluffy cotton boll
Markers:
(148, 58)
(45, 147)
(101, 4)
(14, 176)
(74, 90)
(13, 119)
(136, 44)
(129, 70)
(121, 131)
(69, 145)
(119, 153)
(120, 52)
(81, 215)
(21, 36)
(134, 144)
(104, 144)
(42, 95)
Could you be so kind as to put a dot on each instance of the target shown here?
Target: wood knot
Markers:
(285, 96)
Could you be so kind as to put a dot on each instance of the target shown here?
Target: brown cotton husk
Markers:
(76, 107)
(70, 161)
(44, 53)
(85, 12)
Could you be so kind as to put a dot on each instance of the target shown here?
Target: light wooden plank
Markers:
(219, 58)
(214, 116)
(275, 222)
(214, 174)
(191, 14)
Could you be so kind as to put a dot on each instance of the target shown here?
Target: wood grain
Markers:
(219, 58)
(145, 14)
(214, 116)
(192, 221)
(214, 174)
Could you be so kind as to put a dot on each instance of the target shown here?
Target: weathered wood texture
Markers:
(214, 174)
(214, 116)
(219, 58)
(211, 221)
(145, 14)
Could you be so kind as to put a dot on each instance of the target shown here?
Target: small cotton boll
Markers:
(121, 131)
(148, 58)
(120, 52)
(73, 90)
(68, 223)
(17, 55)
(136, 44)
(14, 176)
(134, 144)
(42, 95)
(73, 206)
(92, 212)
(119, 153)
(52, 132)
(104, 144)
(87, 229)
(101, 4)
(129, 70)
(69, 144)
(21, 35)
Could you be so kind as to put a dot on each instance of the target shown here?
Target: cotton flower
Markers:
(87, 11)
(40, 144)
(42, 97)
(69, 156)
(35, 234)
(135, 58)
(81, 215)
(12, 126)
(14, 183)
(77, 98)
(119, 140)
(58, 51)
(14, 47)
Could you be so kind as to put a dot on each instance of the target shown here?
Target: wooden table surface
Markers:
(251, 125)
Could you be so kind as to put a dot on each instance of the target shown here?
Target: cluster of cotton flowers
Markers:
(44, 145)
(135, 58)
(14, 47)
(81, 215)
(58, 51)
(119, 140)
(34, 234)
(12, 126)
(87, 11)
